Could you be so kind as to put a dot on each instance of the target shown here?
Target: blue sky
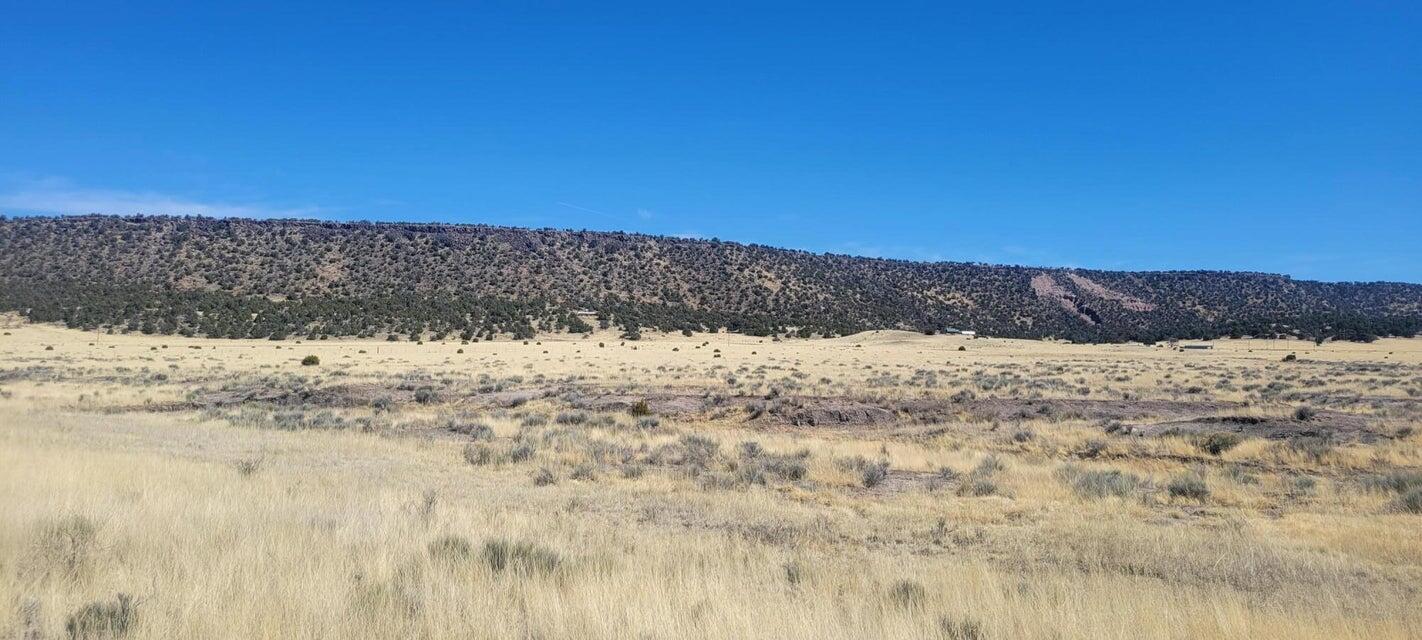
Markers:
(1281, 137)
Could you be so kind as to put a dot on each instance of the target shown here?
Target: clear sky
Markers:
(1282, 137)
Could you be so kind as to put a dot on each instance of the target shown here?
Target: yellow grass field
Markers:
(885, 484)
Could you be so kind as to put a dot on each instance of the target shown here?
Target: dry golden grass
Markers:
(222, 524)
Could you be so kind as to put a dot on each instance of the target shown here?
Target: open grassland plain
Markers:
(885, 484)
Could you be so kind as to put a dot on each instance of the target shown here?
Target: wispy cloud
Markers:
(585, 209)
(643, 215)
(57, 196)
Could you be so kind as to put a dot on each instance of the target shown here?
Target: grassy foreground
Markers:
(137, 506)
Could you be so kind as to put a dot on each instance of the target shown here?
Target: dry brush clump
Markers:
(473, 430)
(64, 548)
(755, 465)
(1095, 484)
(871, 473)
(982, 480)
(1217, 442)
(520, 557)
(1406, 486)
(1188, 485)
(101, 620)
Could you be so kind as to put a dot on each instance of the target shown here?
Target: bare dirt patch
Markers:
(1326, 424)
(1008, 409)
(820, 412)
(1047, 288)
(660, 403)
(1099, 290)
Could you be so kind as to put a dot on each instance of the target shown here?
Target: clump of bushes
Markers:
(1096, 484)
(520, 557)
(756, 466)
(794, 572)
(1217, 442)
(698, 451)
(66, 547)
(451, 549)
(1406, 484)
(522, 452)
(1190, 486)
(247, 467)
(298, 420)
(475, 431)
(1410, 502)
(501, 556)
(1394, 481)
(570, 418)
(960, 629)
(544, 477)
(875, 474)
(693, 454)
(871, 474)
(584, 471)
(982, 480)
(1316, 448)
(310, 361)
(1092, 448)
(907, 594)
(480, 454)
(103, 619)
(1240, 474)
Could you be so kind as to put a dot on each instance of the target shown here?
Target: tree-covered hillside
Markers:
(278, 278)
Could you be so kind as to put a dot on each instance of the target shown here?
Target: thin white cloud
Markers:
(585, 209)
(643, 215)
(60, 197)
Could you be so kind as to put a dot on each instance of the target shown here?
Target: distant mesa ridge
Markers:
(240, 278)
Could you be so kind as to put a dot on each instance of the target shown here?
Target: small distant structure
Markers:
(585, 313)
(970, 334)
(951, 330)
(1197, 347)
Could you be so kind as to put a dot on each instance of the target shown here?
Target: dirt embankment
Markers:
(819, 411)
(1332, 425)
(1148, 418)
